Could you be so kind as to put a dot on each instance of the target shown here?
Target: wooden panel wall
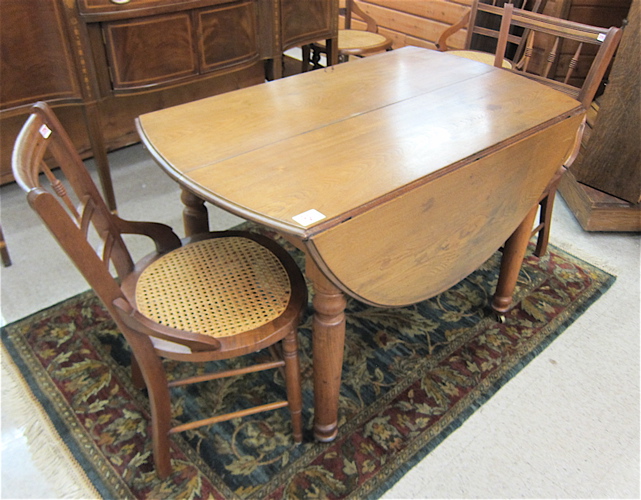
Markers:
(416, 22)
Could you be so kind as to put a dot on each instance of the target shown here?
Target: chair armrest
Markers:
(369, 20)
(163, 235)
(140, 324)
(441, 43)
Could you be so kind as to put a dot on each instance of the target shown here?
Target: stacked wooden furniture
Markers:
(101, 63)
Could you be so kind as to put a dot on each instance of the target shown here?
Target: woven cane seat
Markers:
(217, 287)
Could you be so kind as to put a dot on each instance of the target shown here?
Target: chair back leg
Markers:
(545, 219)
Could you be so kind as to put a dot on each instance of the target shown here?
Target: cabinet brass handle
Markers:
(120, 2)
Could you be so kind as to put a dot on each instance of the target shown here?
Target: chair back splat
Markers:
(210, 297)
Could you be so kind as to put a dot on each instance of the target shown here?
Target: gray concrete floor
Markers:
(566, 426)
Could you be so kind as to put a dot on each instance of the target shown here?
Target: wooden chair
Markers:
(351, 42)
(482, 23)
(546, 31)
(210, 297)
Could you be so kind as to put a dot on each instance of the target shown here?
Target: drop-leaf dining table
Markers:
(397, 174)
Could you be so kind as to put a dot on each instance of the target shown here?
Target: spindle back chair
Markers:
(566, 37)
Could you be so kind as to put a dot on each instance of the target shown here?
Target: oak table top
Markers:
(398, 174)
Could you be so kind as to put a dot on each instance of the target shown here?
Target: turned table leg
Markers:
(328, 342)
(195, 217)
(513, 254)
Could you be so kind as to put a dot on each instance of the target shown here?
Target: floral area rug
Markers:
(410, 377)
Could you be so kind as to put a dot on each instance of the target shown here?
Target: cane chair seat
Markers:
(219, 287)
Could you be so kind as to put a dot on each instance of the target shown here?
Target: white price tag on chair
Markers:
(44, 131)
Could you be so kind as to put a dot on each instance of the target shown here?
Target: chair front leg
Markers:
(155, 378)
(292, 382)
(306, 56)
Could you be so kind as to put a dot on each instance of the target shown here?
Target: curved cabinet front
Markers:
(150, 51)
(157, 50)
(228, 36)
(305, 21)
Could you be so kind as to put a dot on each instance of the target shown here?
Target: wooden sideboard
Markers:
(102, 63)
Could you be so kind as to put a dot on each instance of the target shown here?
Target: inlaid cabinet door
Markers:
(227, 35)
(150, 50)
(305, 21)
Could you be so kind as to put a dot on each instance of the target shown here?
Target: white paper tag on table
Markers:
(309, 217)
